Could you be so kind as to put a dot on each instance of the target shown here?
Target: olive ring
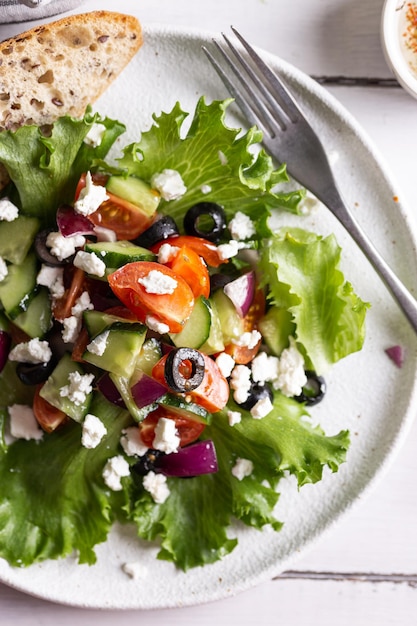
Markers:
(175, 378)
(214, 213)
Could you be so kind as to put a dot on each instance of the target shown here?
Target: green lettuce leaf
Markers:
(303, 275)
(210, 154)
(45, 167)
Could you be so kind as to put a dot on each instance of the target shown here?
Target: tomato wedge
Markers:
(193, 270)
(212, 393)
(127, 220)
(61, 308)
(47, 416)
(188, 430)
(202, 247)
(172, 309)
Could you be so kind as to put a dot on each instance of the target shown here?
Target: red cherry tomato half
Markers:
(127, 220)
(188, 430)
(193, 270)
(172, 309)
(212, 393)
(47, 416)
(202, 247)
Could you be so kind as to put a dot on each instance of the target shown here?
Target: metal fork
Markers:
(287, 135)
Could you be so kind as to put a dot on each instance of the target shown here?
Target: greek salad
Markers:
(160, 344)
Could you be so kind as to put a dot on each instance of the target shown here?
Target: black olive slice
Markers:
(314, 389)
(163, 228)
(42, 250)
(206, 220)
(146, 463)
(177, 363)
(257, 392)
(34, 373)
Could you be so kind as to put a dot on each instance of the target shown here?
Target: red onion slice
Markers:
(147, 390)
(396, 354)
(71, 223)
(193, 460)
(241, 292)
(5, 343)
(110, 391)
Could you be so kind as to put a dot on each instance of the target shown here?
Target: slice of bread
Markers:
(59, 68)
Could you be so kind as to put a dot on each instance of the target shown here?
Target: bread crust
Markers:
(59, 68)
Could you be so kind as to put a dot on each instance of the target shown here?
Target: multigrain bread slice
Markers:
(59, 68)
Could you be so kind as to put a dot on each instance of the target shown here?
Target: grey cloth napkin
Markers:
(12, 11)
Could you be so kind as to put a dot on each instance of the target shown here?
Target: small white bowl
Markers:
(399, 43)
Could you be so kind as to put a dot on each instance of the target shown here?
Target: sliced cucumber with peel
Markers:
(135, 191)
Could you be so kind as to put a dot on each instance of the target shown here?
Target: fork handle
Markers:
(405, 300)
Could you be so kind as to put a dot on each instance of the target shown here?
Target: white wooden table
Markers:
(365, 570)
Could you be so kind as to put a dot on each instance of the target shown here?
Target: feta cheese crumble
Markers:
(242, 468)
(8, 210)
(264, 368)
(167, 253)
(78, 388)
(90, 198)
(90, 263)
(53, 279)
(64, 247)
(291, 375)
(98, 344)
(234, 417)
(159, 283)
(3, 269)
(115, 469)
(248, 339)
(23, 424)
(136, 570)
(241, 226)
(205, 189)
(93, 431)
(169, 184)
(156, 485)
(262, 408)
(166, 436)
(228, 250)
(225, 362)
(154, 324)
(240, 382)
(131, 442)
(94, 136)
(33, 351)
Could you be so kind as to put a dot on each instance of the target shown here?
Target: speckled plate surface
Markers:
(367, 393)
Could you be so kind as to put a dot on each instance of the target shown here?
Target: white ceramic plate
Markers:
(367, 393)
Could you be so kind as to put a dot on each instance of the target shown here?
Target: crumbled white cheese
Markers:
(309, 204)
(234, 417)
(248, 339)
(166, 436)
(23, 424)
(264, 367)
(169, 184)
(228, 250)
(136, 570)
(64, 247)
(131, 442)
(240, 382)
(205, 189)
(159, 283)
(291, 374)
(53, 279)
(115, 469)
(242, 468)
(3, 269)
(71, 328)
(94, 136)
(166, 253)
(241, 226)
(90, 197)
(157, 486)
(93, 431)
(32, 351)
(78, 388)
(154, 324)
(99, 344)
(90, 263)
(262, 408)
(225, 362)
(83, 303)
(8, 210)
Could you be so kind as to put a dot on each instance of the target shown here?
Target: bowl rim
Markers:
(390, 37)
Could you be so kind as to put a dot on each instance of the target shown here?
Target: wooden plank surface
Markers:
(364, 571)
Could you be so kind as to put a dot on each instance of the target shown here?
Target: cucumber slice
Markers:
(136, 191)
(16, 238)
(276, 326)
(148, 357)
(19, 287)
(214, 341)
(98, 321)
(197, 328)
(122, 343)
(37, 319)
(230, 321)
(60, 378)
(118, 253)
(181, 408)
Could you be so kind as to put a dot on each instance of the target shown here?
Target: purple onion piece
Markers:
(241, 292)
(109, 390)
(147, 390)
(71, 223)
(193, 460)
(5, 343)
(396, 354)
